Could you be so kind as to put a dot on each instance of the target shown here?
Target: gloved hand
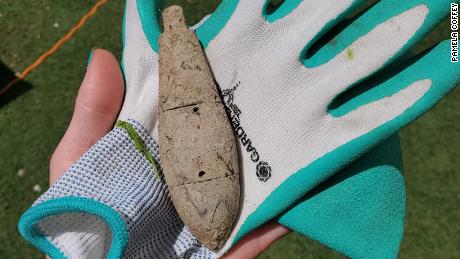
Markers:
(125, 143)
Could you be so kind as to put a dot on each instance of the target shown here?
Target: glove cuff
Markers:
(31, 225)
(111, 203)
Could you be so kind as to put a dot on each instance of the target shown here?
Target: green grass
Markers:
(32, 124)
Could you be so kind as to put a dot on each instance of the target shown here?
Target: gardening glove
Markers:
(302, 109)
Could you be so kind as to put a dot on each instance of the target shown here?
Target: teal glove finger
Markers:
(292, 135)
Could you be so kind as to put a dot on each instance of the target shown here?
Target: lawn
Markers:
(34, 116)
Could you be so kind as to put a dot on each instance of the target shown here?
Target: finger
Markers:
(404, 97)
(391, 27)
(370, 53)
(96, 108)
(258, 241)
(382, 35)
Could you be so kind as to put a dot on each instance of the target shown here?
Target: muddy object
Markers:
(197, 144)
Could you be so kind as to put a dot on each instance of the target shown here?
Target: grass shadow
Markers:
(18, 89)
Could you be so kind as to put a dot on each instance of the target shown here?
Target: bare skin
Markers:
(97, 106)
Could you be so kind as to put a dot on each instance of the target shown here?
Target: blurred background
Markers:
(34, 115)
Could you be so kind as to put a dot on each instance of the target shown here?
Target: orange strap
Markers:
(56, 46)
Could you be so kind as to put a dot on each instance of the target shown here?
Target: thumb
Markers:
(98, 103)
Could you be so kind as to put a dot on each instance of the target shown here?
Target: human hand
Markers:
(97, 106)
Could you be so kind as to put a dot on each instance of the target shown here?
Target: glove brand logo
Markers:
(263, 170)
